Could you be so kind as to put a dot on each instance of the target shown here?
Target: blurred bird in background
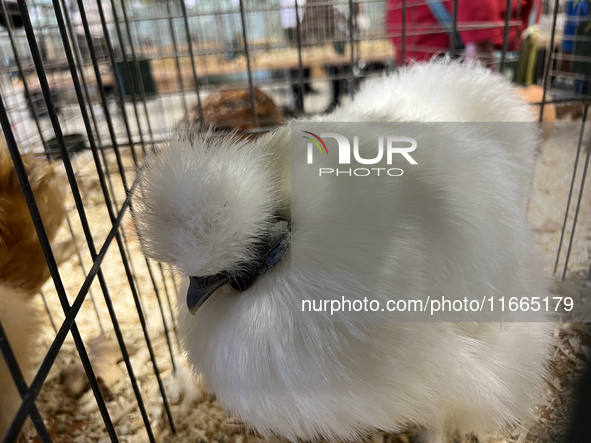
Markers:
(22, 263)
(221, 211)
(229, 110)
(23, 269)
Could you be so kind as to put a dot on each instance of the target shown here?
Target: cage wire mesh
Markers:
(93, 86)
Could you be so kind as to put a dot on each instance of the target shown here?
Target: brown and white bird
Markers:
(22, 263)
(23, 269)
(225, 213)
(231, 110)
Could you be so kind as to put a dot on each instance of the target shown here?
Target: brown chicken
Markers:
(232, 110)
(23, 269)
(22, 263)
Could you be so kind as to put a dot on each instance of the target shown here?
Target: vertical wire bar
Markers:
(81, 262)
(117, 235)
(195, 78)
(129, 79)
(116, 78)
(125, 263)
(176, 56)
(164, 322)
(156, 291)
(110, 184)
(174, 283)
(549, 61)
(162, 273)
(17, 424)
(572, 185)
(108, 301)
(570, 192)
(578, 207)
(132, 266)
(116, 204)
(454, 32)
(255, 116)
(90, 241)
(21, 384)
(137, 72)
(518, 19)
(67, 326)
(11, 142)
(100, 85)
(404, 19)
(79, 61)
(222, 30)
(142, 319)
(143, 94)
(23, 76)
(120, 243)
(48, 311)
(300, 90)
(351, 76)
(505, 47)
(575, 38)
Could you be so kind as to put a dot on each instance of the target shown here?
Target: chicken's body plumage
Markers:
(304, 376)
(22, 263)
(23, 268)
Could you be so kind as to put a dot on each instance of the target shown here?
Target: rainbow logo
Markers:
(315, 142)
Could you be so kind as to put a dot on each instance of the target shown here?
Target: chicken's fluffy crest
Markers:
(199, 190)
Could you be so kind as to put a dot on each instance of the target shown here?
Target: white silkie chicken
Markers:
(220, 211)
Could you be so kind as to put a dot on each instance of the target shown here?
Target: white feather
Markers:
(204, 199)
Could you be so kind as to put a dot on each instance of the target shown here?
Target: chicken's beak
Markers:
(200, 290)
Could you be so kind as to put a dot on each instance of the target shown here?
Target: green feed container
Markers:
(74, 143)
(133, 86)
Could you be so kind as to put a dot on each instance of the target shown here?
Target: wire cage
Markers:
(92, 86)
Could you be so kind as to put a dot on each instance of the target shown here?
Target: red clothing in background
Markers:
(425, 37)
